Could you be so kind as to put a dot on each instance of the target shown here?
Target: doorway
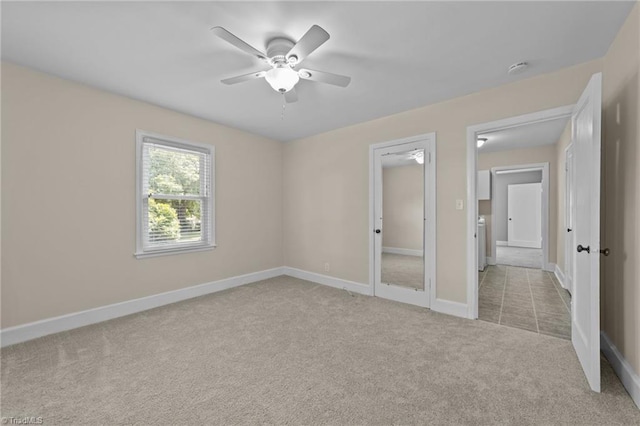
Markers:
(402, 218)
(473, 132)
(586, 117)
(520, 215)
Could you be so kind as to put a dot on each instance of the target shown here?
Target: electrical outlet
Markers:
(459, 204)
(327, 267)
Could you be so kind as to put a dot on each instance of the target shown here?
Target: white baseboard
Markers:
(22, 333)
(33, 330)
(438, 305)
(560, 276)
(525, 244)
(448, 307)
(501, 243)
(403, 251)
(327, 280)
(550, 267)
(621, 366)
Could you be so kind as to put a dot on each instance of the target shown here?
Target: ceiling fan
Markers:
(283, 56)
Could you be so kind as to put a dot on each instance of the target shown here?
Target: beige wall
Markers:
(326, 196)
(68, 208)
(67, 176)
(620, 283)
(561, 146)
(403, 206)
(515, 157)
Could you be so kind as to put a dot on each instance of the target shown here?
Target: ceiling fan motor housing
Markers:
(277, 50)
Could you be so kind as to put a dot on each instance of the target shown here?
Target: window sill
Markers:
(172, 251)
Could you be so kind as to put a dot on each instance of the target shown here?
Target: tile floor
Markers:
(530, 299)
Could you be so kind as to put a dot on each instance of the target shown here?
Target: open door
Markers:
(585, 302)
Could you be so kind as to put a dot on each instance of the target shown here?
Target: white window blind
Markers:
(175, 195)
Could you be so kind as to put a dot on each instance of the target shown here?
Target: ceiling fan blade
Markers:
(244, 77)
(291, 96)
(325, 77)
(240, 44)
(309, 42)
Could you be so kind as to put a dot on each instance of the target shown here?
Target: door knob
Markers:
(377, 231)
(581, 249)
(568, 229)
(605, 252)
(509, 218)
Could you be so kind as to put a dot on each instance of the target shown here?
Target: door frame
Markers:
(429, 251)
(472, 202)
(569, 218)
(544, 167)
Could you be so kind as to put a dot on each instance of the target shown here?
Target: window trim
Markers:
(140, 252)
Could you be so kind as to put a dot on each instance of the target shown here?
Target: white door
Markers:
(400, 274)
(570, 211)
(585, 301)
(524, 215)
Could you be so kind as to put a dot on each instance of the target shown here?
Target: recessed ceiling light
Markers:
(481, 141)
(517, 68)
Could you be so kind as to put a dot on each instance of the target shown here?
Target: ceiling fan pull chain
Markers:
(284, 104)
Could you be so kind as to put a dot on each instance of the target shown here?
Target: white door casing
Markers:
(402, 294)
(569, 212)
(585, 302)
(524, 215)
(472, 206)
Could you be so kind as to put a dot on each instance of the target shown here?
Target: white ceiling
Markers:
(525, 136)
(400, 55)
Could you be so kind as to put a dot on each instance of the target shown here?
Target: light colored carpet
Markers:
(285, 351)
(402, 270)
(519, 256)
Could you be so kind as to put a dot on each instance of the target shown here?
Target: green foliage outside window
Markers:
(174, 173)
(163, 222)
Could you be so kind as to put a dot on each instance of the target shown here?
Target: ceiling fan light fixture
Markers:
(282, 79)
(305, 74)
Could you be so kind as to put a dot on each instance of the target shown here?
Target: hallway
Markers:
(529, 299)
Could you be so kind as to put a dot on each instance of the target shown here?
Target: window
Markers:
(174, 195)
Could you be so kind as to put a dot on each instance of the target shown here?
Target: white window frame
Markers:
(209, 244)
